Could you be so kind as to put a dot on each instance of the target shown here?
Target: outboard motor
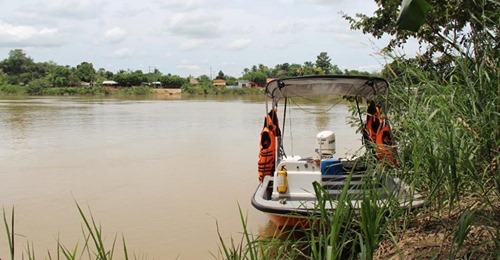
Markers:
(325, 144)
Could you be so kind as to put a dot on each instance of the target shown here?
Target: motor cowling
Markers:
(325, 144)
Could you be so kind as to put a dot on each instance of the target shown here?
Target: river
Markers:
(159, 172)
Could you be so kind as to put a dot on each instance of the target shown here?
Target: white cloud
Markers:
(26, 36)
(295, 26)
(192, 67)
(181, 4)
(282, 27)
(192, 44)
(239, 44)
(122, 53)
(73, 9)
(115, 35)
(195, 24)
(124, 34)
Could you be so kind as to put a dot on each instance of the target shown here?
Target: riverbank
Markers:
(14, 90)
(167, 91)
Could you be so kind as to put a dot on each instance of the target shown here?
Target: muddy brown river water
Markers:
(158, 172)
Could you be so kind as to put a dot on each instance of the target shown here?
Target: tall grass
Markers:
(449, 130)
(344, 233)
(94, 245)
(448, 135)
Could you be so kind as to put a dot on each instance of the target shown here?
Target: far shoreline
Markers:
(167, 91)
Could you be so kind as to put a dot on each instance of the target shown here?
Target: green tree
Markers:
(173, 81)
(85, 72)
(60, 75)
(266, 70)
(220, 75)
(3, 77)
(16, 63)
(280, 70)
(451, 27)
(204, 79)
(102, 74)
(231, 80)
(258, 77)
(18, 67)
(130, 78)
(323, 62)
(295, 70)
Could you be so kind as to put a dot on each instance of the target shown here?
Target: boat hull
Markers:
(289, 220)
(290, 211)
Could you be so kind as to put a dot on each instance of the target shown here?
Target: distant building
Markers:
(156, 84)
(219, 82)
(110, 83)
(243, 83)
(246, 84)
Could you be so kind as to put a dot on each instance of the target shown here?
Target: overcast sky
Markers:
(187, 37)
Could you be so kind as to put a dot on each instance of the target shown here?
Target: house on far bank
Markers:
(156, 84)
(109, 83)
(219, 82)
(246, 84)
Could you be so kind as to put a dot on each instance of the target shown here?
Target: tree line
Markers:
(19, 69)
(322, 66)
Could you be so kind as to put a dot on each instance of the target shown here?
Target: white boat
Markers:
(289, 183)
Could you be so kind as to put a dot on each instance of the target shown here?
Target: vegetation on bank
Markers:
(444, 108)
(21, 75)
(72, 91)
(208, 89)
(449, 149)
(188, 89)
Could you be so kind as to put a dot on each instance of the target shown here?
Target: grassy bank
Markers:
(14, 90)
(446, 127)
(72, 91)
(211, 90)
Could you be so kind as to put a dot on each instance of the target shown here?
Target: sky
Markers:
(188, 37)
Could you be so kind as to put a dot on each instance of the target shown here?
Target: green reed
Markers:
(446, 128)
(251, 247)
(94, 242)
(10, 231)
(343, 233)
(449, 139)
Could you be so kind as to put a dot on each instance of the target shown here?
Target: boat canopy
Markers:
(351, 86)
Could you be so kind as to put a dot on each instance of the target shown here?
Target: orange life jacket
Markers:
(372, 124)
(267, 155)
(385, 145)
(378, 131)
